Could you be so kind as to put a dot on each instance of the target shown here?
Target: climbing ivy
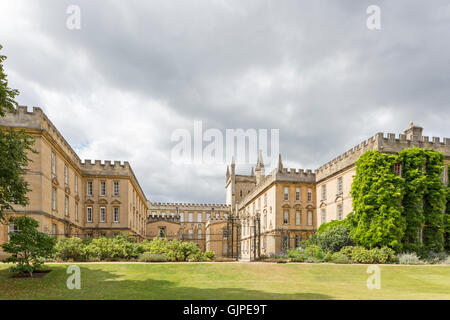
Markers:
(406, 211)
(377, 219)
(434, 202)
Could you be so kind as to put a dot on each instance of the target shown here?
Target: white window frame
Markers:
(286, 217)
(297, 218)
(324, 192)
(102, 188)
(309, 194)
(66, 206)
(339, 212)
(89, 188)
(66, 174)
(76, 184)
(76, 211)
(89, 214)
(54, 199)
(102, 214)
(12, 228)
(286, 194)
(116, 188)
(199, 217)
(323, 215)
(340, 184)
(53, 163)
(116, 212)
(190, 217)
(310, 218)
(297, 194)
(181, 216)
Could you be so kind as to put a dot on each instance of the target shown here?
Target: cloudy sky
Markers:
(137, 71)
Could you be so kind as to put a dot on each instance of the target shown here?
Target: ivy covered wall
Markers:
(407, 210)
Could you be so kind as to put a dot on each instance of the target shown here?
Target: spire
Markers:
(260, 163)
(228, 171)
(280, 163)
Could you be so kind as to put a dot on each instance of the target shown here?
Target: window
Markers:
(297, 218)
(76, 211)
(190, 234)
(286, 217)
(66, 175)
(76, 184)
(116, 188)
(225, 215)
(191, 217)
(163, 214)
(286, 193)
(240, 193)
(199, 234)
(181, 217)
(116, 214)
(162, 232)
(339, 212)
(153, 214)
(89, 188)
(66, 206)
(199, 217)
(217, 215)
(298, 240)
(339, 185)
(172, 214)
(265, 221)
(208, 216)
(103, 188)
(102, 214)
(324, 192)
(309, 195)
(53, 163)
(310, 218)
(53, 199)
(89, 214)
(12, 228)
(398, 169)
(323, 215)
(444, 174)
(297, 194)
(53, 229)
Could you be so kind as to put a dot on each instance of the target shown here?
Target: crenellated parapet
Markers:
(38, 120)
(98, 167)
(188, 206)
(172, 219)
(388, 143)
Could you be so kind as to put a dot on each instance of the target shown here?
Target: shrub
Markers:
(152, 257)
(446, 261)
(362, 255)
(408, 258)
(339, 257)
(209, 255)
(313, 253)
(436, 257)
(71, 249)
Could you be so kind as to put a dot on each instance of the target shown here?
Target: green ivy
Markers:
(411, 212)
(377, 192)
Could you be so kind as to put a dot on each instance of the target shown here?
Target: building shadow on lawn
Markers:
(100, 284)
(103, 284)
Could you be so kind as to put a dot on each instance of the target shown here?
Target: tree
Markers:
(377, 191)
(28, 246)
(14, 148)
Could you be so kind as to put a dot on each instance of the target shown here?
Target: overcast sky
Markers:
(138, 70)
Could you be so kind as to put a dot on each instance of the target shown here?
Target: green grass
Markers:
(231, 281)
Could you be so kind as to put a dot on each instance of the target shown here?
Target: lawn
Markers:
(231, 281)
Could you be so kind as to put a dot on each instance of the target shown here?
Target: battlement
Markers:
(106, 164)
(173, 205)
(174, 219)
(389, 143)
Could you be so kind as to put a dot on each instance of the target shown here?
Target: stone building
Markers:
(263, 214)
(184, 221)
(70, 197)
(334, 179)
